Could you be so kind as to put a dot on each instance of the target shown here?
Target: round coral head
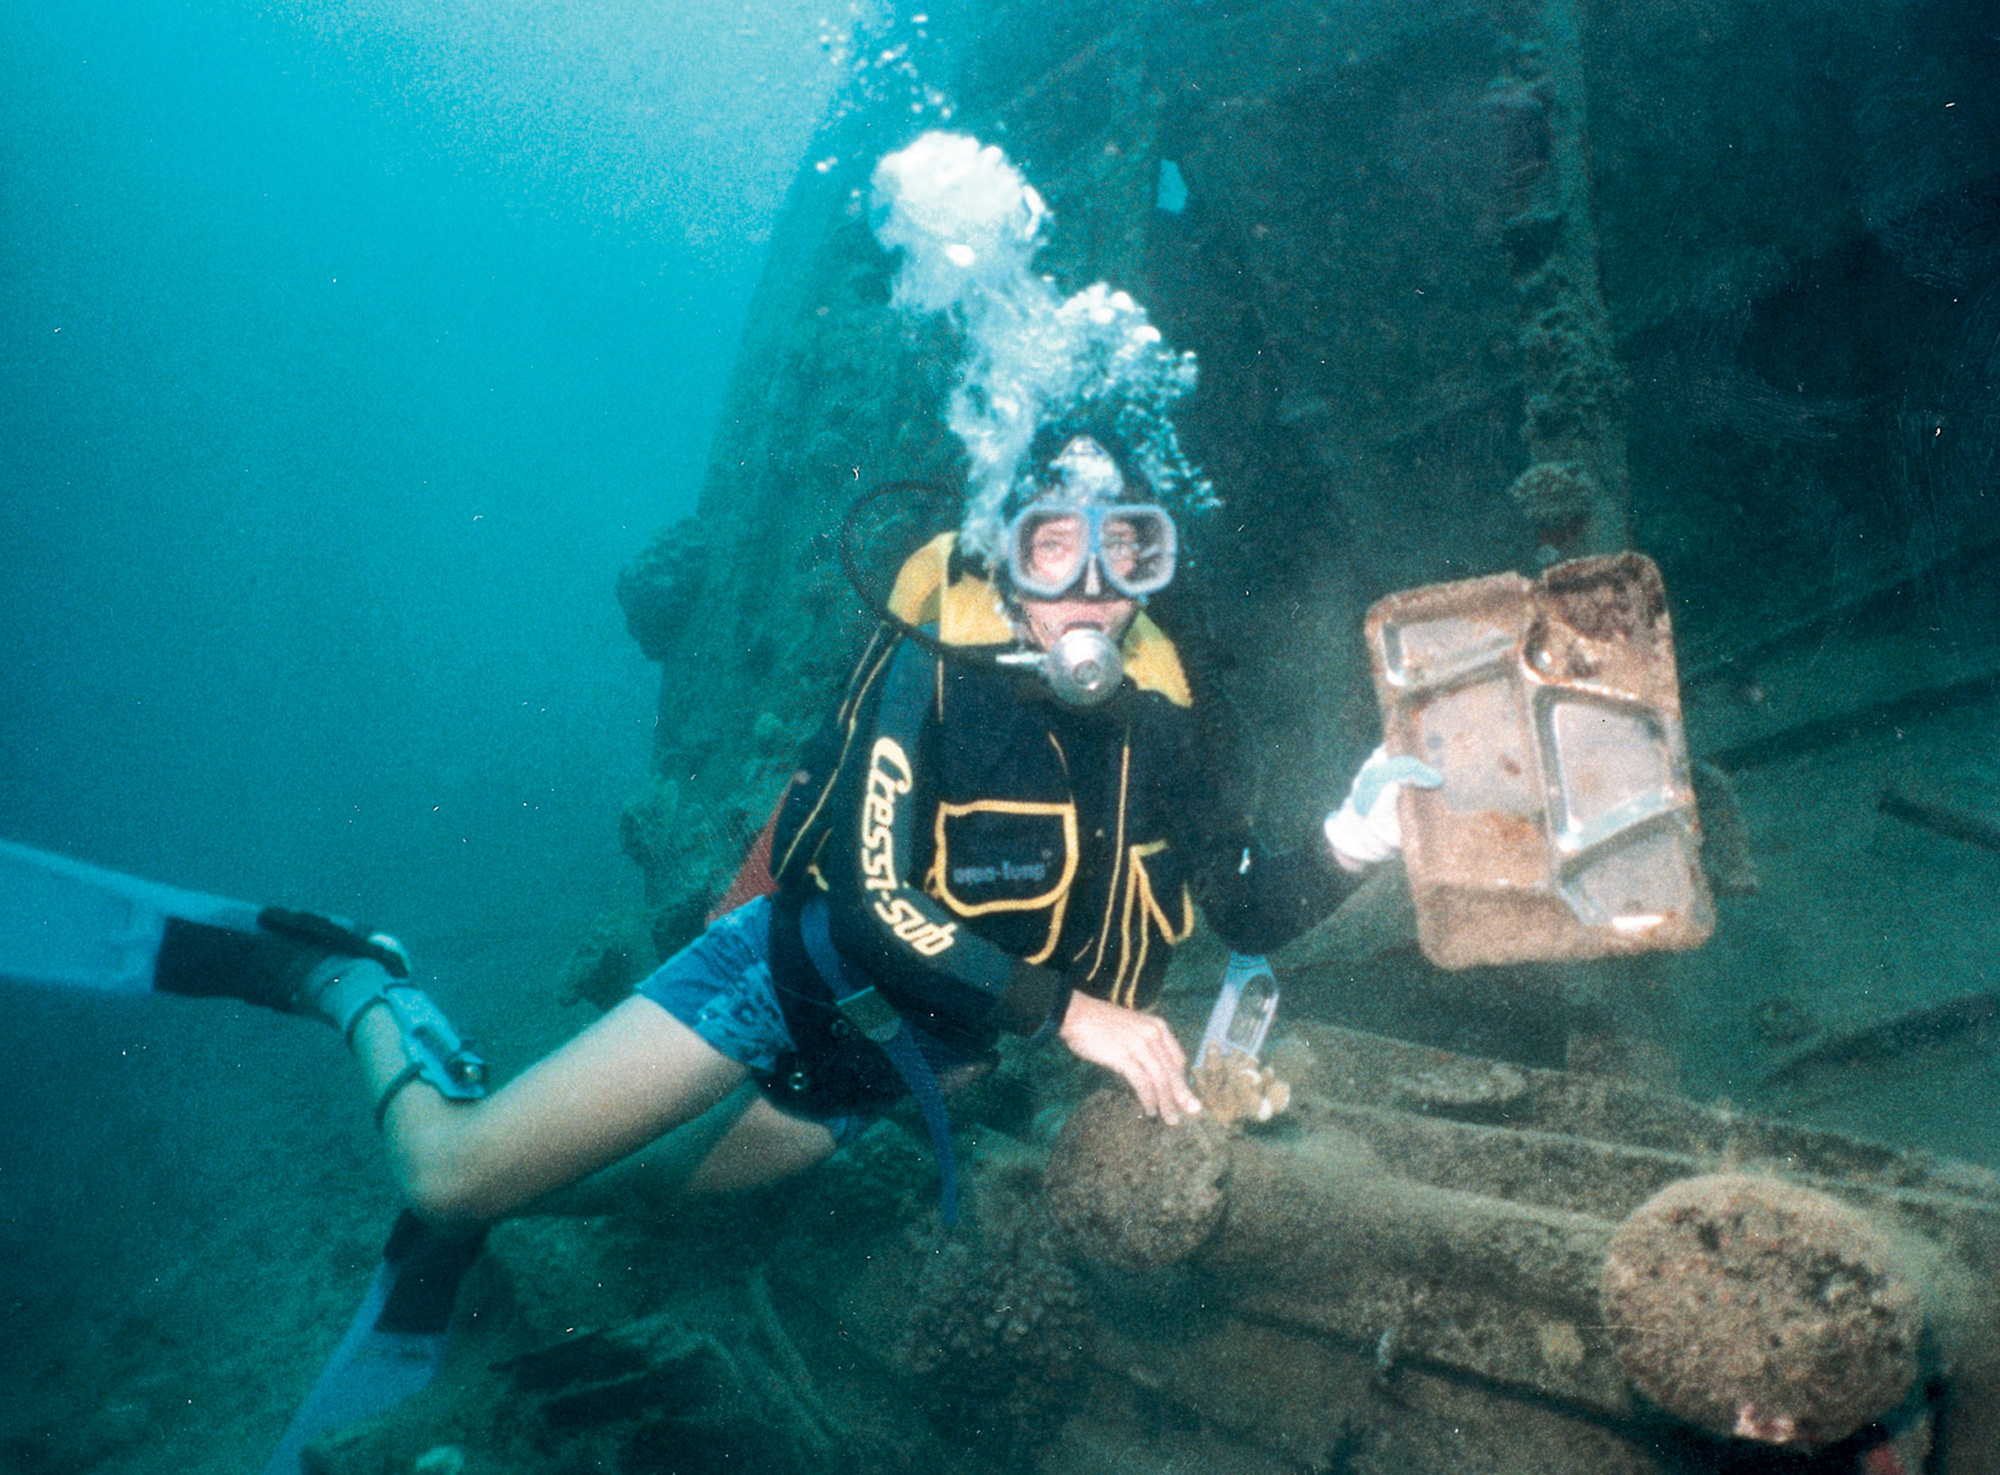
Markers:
(1761, 1310)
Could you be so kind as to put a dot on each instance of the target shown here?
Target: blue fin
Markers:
(396, 1342)
(70, 925)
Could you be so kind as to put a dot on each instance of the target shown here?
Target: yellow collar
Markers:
(969, 612)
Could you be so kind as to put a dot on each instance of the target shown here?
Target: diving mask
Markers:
(1096, 549)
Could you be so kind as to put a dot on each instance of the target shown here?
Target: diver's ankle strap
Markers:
(437, 1055)
(390, 1092)
(342, 989)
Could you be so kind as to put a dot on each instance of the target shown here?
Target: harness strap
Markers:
(876, 1018)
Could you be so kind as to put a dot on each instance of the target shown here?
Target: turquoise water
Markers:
(351, 350)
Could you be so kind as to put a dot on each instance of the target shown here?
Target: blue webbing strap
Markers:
(877, 1019)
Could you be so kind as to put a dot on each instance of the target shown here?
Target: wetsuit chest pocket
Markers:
(999, 856)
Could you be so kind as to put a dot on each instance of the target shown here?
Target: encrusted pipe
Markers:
(1575, 492)
(1747, 1305)
(1310, 1229)
(1756, 1308)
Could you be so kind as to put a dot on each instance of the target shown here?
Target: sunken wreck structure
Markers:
(1473, 286)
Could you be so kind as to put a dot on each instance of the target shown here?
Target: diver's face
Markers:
(1048, 620)
(1056, 550)
(1053, 550)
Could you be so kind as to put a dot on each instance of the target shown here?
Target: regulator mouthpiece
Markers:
(1083, 667)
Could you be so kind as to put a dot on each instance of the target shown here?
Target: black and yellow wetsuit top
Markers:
(984, 850)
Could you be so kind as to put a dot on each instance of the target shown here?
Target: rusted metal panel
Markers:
(1566, 826)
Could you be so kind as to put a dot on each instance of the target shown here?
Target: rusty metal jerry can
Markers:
(1566, 824)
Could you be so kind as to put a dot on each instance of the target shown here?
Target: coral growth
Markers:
(1552, 493)
(1233, 1087)
(883, 1178)
(659, 589)
(997, 1329)
(646, 831)
(607, 963)
(688, 857)
(1130, 1191)
(1755, 1308)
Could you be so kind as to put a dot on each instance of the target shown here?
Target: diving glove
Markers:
(1366, 829)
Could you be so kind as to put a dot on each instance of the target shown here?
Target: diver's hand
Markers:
(1366, 830)
(1139, 1047)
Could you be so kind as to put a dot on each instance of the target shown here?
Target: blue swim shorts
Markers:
(720, 987)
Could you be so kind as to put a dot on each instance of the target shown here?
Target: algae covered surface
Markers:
(1468, 289)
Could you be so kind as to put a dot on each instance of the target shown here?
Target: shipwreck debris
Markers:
(1762, 1310)
(1131, 1193)
(1570, 1242)
(1951, 822)
(1566, 827)
(1969, 1022)
(1725, 834)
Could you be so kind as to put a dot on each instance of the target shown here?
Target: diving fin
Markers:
(67, 924)
(396, 1342)
(70, 925)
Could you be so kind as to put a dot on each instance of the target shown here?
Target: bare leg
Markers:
(741, 1142)
(636, 1073)
(763, 1146)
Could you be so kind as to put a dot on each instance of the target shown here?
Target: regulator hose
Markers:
(880, 607)
(1082, 669)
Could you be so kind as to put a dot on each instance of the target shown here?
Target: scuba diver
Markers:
(1002, 827)
(965, 850)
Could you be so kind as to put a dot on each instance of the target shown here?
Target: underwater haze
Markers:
(350, 349)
